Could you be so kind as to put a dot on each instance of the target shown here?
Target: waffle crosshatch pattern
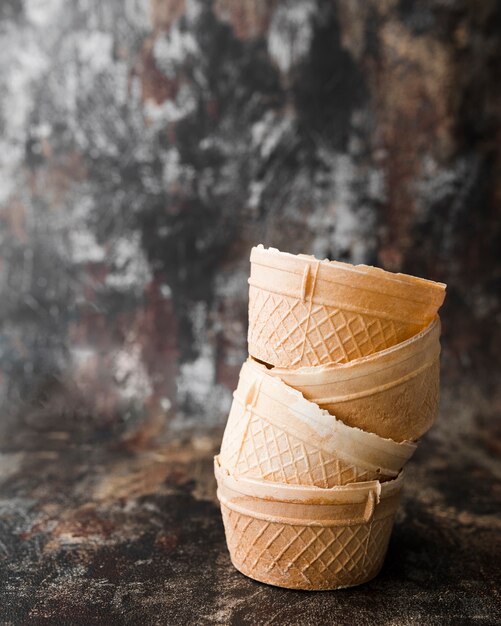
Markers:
(273, 454)
(306, 312)
(394, 393)
(343, 377)
(286, 332)
(273, 433)
(306, 557)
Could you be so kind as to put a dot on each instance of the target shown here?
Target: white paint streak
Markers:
(22, 63)
(41, 13)
(166, 291)
(344, 221)
(173, 49)
(84, 247)
(193, 10)
(131, 374)
(268, 132)
(138, 14)
(196, 382)
(130, 268)
(196, 379)
(174, 171)
(94, 50)
(166, 404)
(290, 33)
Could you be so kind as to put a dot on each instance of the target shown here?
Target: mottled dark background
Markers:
(145, 146)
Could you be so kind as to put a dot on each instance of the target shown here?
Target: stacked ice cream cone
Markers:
(342, 379)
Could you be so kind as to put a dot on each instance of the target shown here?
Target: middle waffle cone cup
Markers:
(393, 393)
(275, 434)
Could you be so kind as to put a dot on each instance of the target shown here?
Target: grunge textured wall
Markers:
(145, 147)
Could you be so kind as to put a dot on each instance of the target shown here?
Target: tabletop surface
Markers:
(97, 531)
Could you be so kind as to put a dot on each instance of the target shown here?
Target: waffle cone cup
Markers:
(307, 537)
(393, 393)
(274, 434)
(306, 312)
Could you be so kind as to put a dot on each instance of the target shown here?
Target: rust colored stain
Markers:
(70, 526)
(414, 107)
(167, 542)
(248, 18)
(353, 18)
(13, 220)
(79, 526)
(64, 172)
(165, 12)
(156, 469)
(133, 479)
(157, 335)
(154, 329)
(155, 85)
(227, 373)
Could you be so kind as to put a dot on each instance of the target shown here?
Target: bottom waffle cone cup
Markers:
(273, 433)
(393, 393)
(307, 538)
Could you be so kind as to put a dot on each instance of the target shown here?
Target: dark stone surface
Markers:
(98, 533)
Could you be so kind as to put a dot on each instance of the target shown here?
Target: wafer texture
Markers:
(394, 393)
(309, 541)
(275, 434)
(306, 312)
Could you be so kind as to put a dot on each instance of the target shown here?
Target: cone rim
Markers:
(400, 278)
(386, 446)
(422, 336)
(307, 494)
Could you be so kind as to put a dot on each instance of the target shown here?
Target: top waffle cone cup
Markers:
(306, 312)
(273, 433)
(393, 393)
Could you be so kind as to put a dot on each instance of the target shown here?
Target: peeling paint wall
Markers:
(144, 148)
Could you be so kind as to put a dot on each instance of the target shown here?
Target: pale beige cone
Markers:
(393, 393)
(274, 433)
(307, 537)
(306, 312)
